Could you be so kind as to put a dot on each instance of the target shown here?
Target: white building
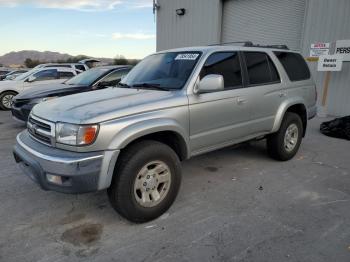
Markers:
(296, 23)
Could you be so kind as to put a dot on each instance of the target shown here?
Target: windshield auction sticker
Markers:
(186, 56)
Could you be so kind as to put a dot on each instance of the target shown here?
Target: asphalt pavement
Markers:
(235, 204)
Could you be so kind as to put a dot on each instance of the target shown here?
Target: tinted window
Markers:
(294, 65)
(80, 67)
(65, 75)
(88, 77)
(46, 75)
(114, 77)
(261, 69)
(226, 64)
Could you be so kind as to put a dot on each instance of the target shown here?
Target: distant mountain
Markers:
(18, 58)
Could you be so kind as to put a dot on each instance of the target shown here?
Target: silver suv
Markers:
(172, 106)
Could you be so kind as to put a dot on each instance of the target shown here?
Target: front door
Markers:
(47, 76)
(222, 117)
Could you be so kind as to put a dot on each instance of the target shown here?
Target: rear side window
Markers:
(65, 75)
(294, 65)
(260, 69)
(226, 64)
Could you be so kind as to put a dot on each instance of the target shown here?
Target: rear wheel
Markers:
(146, 181)
(6, 100)
(284, 144)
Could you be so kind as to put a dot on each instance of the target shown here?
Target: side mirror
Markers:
(31, 79)
(210, 83)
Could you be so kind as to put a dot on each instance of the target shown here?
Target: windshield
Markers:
(25, 75)
(87, 78)
(166, 71)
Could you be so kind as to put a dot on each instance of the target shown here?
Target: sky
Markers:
(98, 28)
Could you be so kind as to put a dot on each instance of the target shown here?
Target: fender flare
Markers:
(147, 127)
(283, 109)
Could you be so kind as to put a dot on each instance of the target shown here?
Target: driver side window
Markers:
(49, 74)
(115, 77)
(226, 64)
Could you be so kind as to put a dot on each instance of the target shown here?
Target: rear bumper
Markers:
(79, 172)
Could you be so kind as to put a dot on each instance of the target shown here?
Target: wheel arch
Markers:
(161, 130)
(296, 106)
(9, 90)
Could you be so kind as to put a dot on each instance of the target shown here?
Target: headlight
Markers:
(76, 135)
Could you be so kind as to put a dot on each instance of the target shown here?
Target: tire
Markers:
(128, 193)
(5, 98)
(282, 146)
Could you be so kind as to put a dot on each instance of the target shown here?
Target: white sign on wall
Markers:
(342, 47)
(330, 63)
(318, 49)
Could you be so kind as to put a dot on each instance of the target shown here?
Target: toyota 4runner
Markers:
(172, 106)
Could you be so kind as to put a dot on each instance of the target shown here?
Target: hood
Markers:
(102, 105)
(48, 90)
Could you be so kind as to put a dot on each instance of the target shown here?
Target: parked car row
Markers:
(93, 79)
(12, 74)
(173, 105)
(24, 80)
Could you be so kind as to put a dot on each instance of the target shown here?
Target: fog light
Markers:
(54, 179)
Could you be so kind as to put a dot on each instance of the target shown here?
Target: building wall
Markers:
(327, 21)
(201, 25)
(321, 21)
(263, 21)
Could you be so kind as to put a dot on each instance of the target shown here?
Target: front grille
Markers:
(40, 124)
(20, 102)
(41, 130)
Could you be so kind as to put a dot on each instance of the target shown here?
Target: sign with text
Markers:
(330, 63)
(318, 49)
(342, 47)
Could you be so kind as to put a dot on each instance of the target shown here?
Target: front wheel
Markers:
(284, 144)
(146, 181)
(6, 100)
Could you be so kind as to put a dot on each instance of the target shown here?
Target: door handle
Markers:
(241, 100)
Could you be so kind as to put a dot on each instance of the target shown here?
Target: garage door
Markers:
(264, 21)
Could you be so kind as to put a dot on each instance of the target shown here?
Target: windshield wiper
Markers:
(154, 86)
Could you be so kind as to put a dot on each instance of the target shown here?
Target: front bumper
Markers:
(79, 172)
(21, 113)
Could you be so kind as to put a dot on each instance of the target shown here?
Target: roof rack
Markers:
(269, 46)
(244, 43)
(250, 44)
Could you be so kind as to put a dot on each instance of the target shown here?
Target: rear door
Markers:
(264, 87)
(219, 118)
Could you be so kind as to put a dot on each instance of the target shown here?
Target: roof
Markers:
(212, 48)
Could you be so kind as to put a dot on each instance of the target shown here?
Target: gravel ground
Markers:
(235, 204)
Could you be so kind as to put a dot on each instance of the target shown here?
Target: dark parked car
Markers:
(93, 79)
